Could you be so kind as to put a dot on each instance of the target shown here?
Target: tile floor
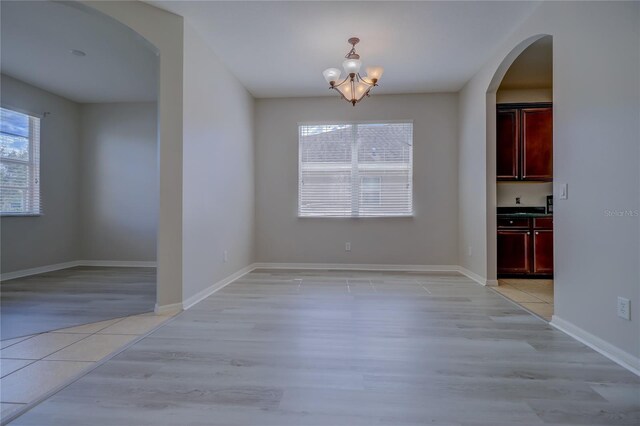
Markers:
(532, 294)
(32, 367)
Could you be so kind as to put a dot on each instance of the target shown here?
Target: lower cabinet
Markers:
(525, 246)
(543, 251)
(513, 252)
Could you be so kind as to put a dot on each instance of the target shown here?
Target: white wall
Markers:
(218, 191)
(596, 78)
(53, 237)
(472, 180)
(119, 181)
(99, 182)
(429, 238)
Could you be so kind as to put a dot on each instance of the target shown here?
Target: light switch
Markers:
(563, 193)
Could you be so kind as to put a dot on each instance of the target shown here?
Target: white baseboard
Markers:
(39, 270)
(203, 294)
(358, 267)
(617, 355)
(477, 278)
(120, 263)
(58, 266)
(165, 309)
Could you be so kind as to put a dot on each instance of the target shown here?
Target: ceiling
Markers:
(36, 40)
(279, 49)
(533, 69)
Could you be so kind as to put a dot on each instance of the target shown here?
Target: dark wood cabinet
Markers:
(513, 251)
(507, 145)
(537, 143)
(525, 246)
(524, 142)
(543, 251)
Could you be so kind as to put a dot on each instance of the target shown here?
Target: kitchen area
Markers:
(524, 182)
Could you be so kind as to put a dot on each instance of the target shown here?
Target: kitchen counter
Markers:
(512, 215)
(522, 212)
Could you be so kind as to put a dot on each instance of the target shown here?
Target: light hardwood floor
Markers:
(72, 297)
(350, 348)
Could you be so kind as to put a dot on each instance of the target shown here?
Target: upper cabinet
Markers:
(507, 152)
(524, 142)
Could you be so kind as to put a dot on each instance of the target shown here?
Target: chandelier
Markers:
(354, 87)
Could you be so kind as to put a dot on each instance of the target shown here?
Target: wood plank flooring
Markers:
(350, 348)
(72, 297)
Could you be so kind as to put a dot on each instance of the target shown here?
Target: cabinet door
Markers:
(543, 251)
(513, 252)
(537, 143)
(507, 146)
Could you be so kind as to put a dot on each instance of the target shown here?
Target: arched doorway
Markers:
(519, 226)
(165, 32)
(86, 96)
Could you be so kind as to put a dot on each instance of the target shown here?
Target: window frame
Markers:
(355, 188)
(32, 164)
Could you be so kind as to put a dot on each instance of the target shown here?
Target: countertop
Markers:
(516, 215)
(526, 212)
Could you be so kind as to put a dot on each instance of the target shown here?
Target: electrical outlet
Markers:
(624, 308)
(517, 200)
(225, 256)
(347, 246)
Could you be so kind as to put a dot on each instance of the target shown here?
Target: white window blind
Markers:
(19, 163)
(355, 170)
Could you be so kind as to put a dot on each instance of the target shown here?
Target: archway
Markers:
(491, 137)
(90, 122)
(164, 31)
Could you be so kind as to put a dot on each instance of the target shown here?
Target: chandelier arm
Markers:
(342, 82)
(365, 94)
(364, 80)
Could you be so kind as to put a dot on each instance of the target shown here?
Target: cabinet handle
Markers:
(537, 233)
(511, 222)
(528, 233)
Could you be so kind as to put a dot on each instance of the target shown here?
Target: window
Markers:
(355, 170)
(19, 163)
